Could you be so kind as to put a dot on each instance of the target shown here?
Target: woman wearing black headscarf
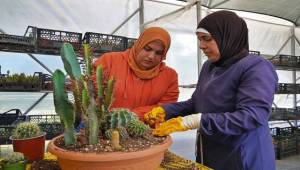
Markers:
(232, 101)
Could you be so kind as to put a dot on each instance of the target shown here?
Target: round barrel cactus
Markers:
(122, 131)
(26, 130)
(136, 128)
(119, 117)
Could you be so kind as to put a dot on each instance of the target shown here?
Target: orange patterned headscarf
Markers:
(149, 35)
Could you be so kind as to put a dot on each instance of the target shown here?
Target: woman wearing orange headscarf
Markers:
(143, 81)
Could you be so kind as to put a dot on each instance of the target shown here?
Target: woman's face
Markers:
(209, 46)
(150, 56)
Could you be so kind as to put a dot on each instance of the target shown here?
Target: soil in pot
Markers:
(45, 165)
(104, 145)
(137, 153)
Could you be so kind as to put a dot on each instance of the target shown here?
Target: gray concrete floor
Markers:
(184, 145)
(289, 163)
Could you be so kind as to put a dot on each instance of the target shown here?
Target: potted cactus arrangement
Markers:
(113, 138)
(28, 139)
(13, 161)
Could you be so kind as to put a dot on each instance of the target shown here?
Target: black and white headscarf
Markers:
(230, 33)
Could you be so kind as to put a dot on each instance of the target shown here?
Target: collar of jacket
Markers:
(229, 61)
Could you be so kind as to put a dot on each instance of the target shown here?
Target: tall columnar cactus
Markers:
(92, 105)
(63, 107)
(26, 130)
(87, 53)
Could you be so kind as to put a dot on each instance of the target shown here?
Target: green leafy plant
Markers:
(20, 79)
(90, 101)
(26, 130)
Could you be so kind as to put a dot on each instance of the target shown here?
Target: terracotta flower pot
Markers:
(32, 148)
(148, 159)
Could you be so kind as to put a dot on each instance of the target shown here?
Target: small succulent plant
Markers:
(13, 157)
(26, 130)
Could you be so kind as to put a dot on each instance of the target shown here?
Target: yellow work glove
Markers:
(178, 124)
(172, 125)
(155, 116)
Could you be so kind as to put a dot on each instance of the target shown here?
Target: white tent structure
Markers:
(267, 34)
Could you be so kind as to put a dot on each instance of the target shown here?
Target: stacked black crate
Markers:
(286, 139)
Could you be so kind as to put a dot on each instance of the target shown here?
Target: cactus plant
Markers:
(136, 128)
(26, 130)
(28, 139)
(119, 117)
(122, 132)
(93, 103)
(13, 157)
(13, 160)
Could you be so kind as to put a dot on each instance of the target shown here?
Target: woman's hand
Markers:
(178, 124)
(155, 117)
(170, 126)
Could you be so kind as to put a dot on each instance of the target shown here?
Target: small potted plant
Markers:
(14, 161)
(113, 138)
(28, 139)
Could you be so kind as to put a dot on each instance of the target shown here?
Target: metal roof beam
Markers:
(126, 20)
(167, 3)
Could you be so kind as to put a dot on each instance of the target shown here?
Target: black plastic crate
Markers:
(15, 39)
(282, 133)
(286, 147)
(49, 123)
(286, 61)
(43, 118)
(52, 129)
(53, 39)
(5, 133)
(286, 88)
(279, 114)
(11, 116)
(130, 42)
(15, 43)
(273, 131)
(102, 43)
(254, 52)
(285, 114)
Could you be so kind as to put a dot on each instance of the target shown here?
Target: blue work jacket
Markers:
(235, 102)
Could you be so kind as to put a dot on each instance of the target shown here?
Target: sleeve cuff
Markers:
(192, 121)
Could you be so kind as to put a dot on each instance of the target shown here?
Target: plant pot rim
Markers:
(109, 156)
(43, 134)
